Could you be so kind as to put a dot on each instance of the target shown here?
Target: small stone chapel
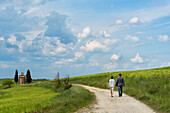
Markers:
(22, 78)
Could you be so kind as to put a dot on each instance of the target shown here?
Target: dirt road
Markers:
(107, 104)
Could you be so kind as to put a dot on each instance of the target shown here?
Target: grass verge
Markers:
(70, 101)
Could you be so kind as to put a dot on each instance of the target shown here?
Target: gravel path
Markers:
(107, 104)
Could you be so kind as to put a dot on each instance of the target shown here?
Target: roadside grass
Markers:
(70, 101)
(149, 86)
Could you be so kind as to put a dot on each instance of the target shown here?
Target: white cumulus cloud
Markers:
(60, 49)
(114, 57)
(1, 38)
(85, 33)
(78, 55)
(12, 40)
(118, 22)
(163, 38)
(137, 59)
(131, 38)
(92, 46)
(134, 20)
(106, 34)
(50, 49)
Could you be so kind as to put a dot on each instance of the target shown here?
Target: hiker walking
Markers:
(111, 85)
(120, 83)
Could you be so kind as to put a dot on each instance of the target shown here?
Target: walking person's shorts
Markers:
(111, 88)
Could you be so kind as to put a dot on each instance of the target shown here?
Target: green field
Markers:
(43, 97)
(24, 99)
(150, 86)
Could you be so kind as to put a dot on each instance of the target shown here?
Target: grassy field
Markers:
(43, 97)
(25, 99)
(150, 86)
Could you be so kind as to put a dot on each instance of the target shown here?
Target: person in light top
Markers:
(111, 85)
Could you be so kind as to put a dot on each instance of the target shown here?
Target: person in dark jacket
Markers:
(120, 83)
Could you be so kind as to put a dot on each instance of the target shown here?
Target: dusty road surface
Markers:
(107, 104)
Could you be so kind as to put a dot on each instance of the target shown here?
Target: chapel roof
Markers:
(22, 76)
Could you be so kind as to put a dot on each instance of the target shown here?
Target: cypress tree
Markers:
(16, 76)
(28, 77)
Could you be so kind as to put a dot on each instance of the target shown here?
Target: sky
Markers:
(80, 37)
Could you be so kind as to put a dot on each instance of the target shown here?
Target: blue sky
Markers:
(79, 37)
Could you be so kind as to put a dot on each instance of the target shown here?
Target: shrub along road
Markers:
(107, 104)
